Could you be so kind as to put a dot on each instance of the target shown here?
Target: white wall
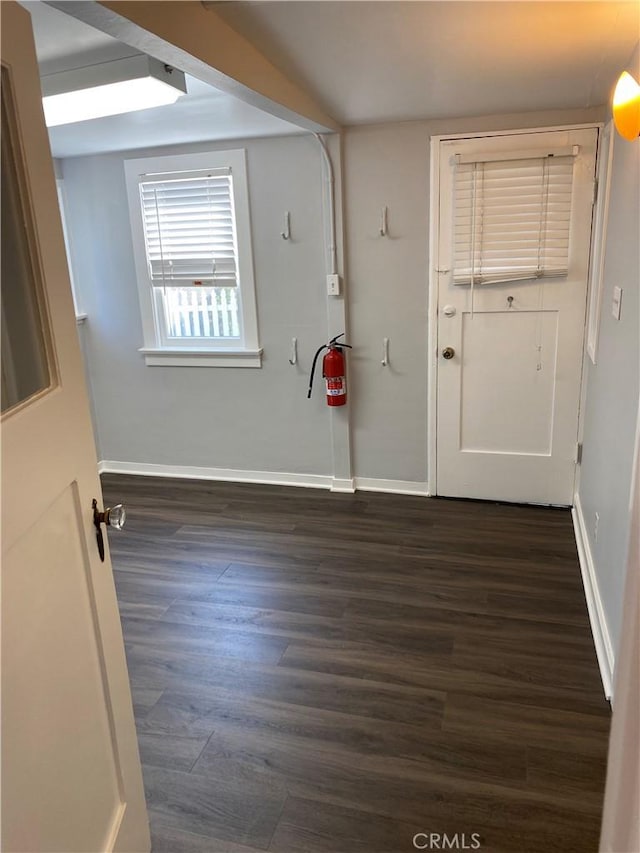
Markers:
(260, 420)
(255, 419)
(388, 164)
(612, 388)
(620, 819)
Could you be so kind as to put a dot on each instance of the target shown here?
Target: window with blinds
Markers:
(189, 228)
(512, 218)
(192, 250)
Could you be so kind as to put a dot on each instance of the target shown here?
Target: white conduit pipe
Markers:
(333, 257)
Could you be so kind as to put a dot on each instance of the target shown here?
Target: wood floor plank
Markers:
(565, 770)
(142, 554)
(545, 727)
(306, 827)
(514, 682)
(168, 839)
(537, 607)
(198, 683)
(294, 626)
(264, 723)
(426, 668)
(377, 783)
(143, 699)
(570, 671)
(158, 588)
(139, 608)
(315, 604)
(222, 642)
(179, 752)
(167, 564)
(243, 811)
(467, 541)
(447, 597)
(478, 626)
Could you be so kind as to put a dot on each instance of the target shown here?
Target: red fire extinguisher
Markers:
(333, 371)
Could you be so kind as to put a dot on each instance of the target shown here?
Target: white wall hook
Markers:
(286, 234)
(293, 357)
(385, 352)
(383, 222)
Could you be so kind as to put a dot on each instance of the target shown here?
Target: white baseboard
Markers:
(597, 618)
(272, 478)
(394, 487)
(231, 475)
(345, 486)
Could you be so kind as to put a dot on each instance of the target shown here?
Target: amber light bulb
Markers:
(626, 107)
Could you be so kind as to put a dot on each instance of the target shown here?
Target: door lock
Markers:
(448, 352)
(114, 516)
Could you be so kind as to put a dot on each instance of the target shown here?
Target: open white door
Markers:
(514, 215)
(71, 778)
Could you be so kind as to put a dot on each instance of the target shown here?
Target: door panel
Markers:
(507, 402)
(62, 630)
(506, 399)
(70, 766)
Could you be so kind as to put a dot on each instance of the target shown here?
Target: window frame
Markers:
(81, 315)
(196, 352)
(599, 238)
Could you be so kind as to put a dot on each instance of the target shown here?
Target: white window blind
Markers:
(512, 219)
(189, 228)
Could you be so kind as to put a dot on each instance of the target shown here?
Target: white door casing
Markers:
(507, 402)
(70, 766)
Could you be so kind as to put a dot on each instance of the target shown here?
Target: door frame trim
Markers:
(434, 241)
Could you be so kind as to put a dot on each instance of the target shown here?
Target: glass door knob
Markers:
(114, 516)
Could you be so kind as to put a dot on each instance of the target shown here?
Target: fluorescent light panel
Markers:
(109, 88)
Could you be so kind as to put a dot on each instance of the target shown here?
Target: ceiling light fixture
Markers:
(110, 88)
(626, 107)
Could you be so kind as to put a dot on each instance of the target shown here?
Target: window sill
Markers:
(164, 357)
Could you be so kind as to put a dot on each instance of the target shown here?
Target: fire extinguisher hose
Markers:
(313, 369)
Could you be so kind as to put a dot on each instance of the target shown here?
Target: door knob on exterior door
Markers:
(114, 516)
(448, 352)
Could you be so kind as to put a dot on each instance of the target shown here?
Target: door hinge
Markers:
(578, 453)
(595, 191)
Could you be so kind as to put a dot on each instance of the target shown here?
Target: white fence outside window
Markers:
(207, 312)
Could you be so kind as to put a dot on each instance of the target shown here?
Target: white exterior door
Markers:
(71, 778)
(508, 395)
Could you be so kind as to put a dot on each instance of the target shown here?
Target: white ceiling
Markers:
(382, 61)
(204, 114)
(62, 42)
(369, 61)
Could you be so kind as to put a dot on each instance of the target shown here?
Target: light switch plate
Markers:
(616, 303)
(333, 285)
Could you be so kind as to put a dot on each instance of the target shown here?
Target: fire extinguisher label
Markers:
(336, 386)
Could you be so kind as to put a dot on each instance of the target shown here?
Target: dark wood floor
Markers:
(324, 672)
